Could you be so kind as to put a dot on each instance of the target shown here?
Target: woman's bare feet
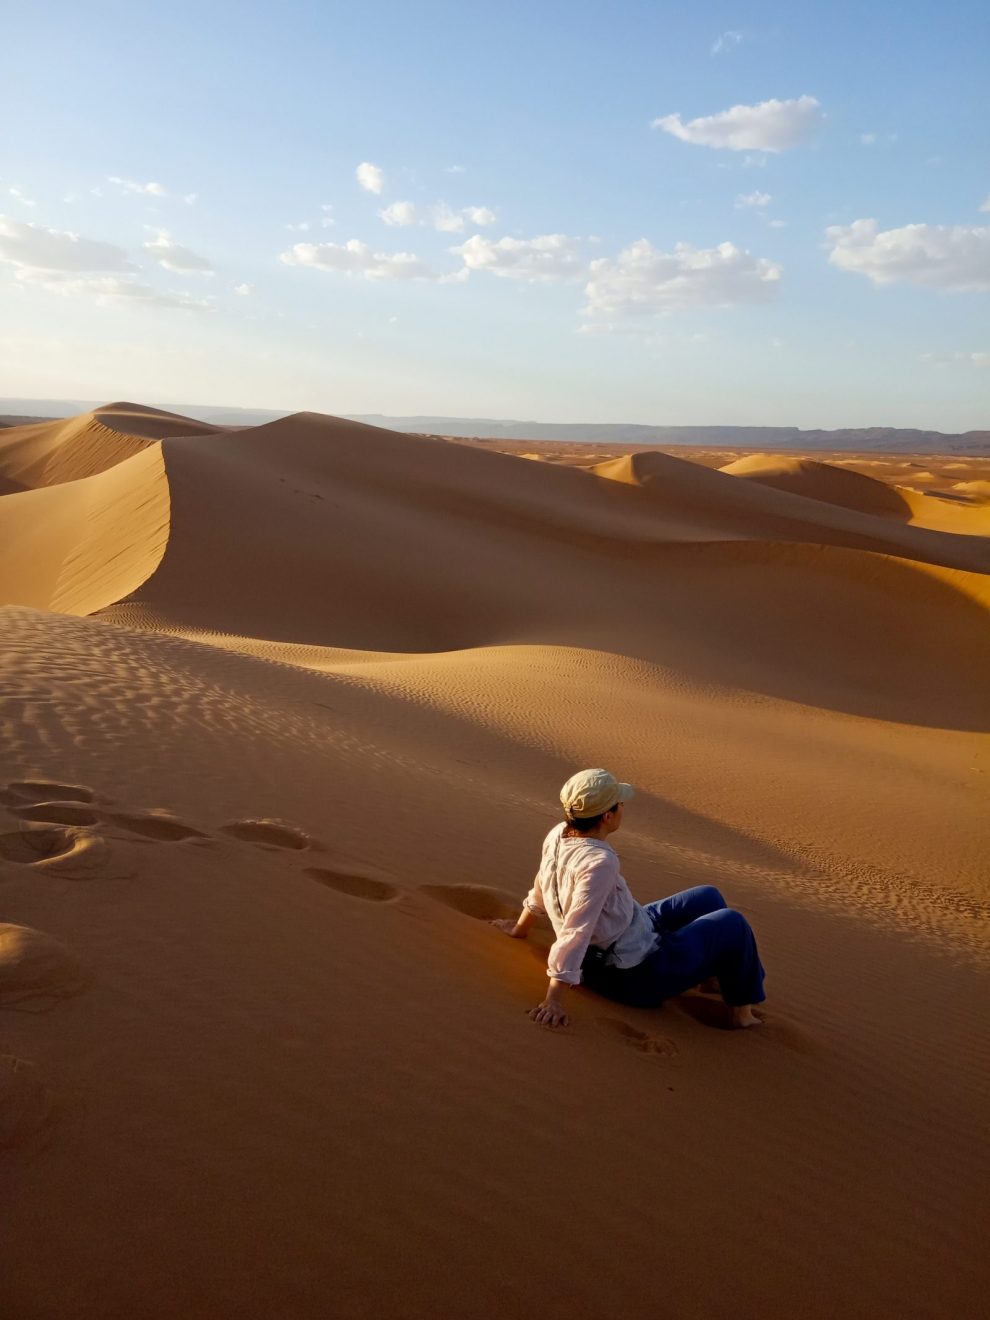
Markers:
(709, 986)
(744, 1016)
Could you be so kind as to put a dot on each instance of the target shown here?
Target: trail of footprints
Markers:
(62, 823)
(63, 830)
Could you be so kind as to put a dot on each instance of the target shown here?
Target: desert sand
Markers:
(285, 714)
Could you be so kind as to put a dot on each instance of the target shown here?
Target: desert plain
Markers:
(286, 710)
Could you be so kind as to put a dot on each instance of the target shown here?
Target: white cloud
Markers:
(131, 186)
(985, 206)
(453, 169)
(18, 196)
(190, 198)
(867, 139)
(770, 126)
(441, 216)
(971, 359)
(300, 228)
(109, 290)
(401, 213)
(643, 280)
(481, 215)
(32, 247)
(727, 41)
(754, 199)
(173, 256)
(245, 290)
(357, 258)
(541, 259)
(778, 224)
(370, 177)
(953, 258)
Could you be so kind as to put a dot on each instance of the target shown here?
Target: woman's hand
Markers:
(549, 1014)
(508, 926)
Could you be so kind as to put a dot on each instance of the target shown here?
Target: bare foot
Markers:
(709, 986)
(744, 1016)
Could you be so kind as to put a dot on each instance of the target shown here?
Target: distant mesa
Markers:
(886, 439)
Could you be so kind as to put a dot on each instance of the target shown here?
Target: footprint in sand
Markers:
(150, 825)
(476, 901)
(357, 886)
(27, 1107)
(268, 834)
(642, 1041)
(31, 845)
(65, 812)
(42, 790)
(36, 969)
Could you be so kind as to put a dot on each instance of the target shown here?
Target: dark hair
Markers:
(585, 824)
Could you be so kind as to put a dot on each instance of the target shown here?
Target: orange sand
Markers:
(285, 713)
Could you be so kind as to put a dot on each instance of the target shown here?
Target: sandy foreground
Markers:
(285, 712)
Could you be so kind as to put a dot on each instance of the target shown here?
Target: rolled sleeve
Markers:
(534, 899)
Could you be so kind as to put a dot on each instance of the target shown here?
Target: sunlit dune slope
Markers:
(80, 545)
(46, 453)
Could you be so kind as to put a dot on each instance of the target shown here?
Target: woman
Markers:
(636, 955)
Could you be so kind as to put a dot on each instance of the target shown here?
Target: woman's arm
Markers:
(516, 928)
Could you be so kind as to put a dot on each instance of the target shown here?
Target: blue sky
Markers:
(754, 214)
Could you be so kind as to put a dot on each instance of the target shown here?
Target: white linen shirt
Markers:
(596, 906)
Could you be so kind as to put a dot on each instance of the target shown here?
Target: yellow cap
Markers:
(590, 792)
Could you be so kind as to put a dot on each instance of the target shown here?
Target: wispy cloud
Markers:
(33, 247)
(979, 359)
(132, 186)
(770, 126)
(753, 200)
(357, 258)
(727, 41)
(173, 256)
(19, 196)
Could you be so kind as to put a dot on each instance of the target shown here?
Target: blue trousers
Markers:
(700, 936)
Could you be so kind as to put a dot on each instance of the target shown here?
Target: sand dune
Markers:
(303, 735)
(832, 484)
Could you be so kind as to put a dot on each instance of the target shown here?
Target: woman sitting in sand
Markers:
(636, 955)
